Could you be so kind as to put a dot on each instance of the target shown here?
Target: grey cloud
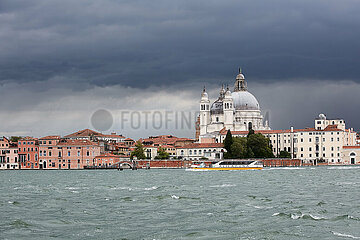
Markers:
(55, 111)
(142, 43)
(62, 60)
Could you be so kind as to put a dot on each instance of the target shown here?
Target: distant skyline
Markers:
(60, 61)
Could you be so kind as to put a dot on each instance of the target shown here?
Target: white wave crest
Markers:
(174, 197)
(344, 167)
(345, 235)
(223, 185)
(151, 188)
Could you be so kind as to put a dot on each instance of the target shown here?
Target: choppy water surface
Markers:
(281, 203)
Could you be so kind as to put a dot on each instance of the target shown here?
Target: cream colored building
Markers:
(323, 143)
(197, 151)
(351, 155)
(9, 158)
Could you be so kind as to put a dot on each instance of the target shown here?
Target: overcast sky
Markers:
(60, 61)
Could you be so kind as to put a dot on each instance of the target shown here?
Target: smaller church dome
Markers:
(228, 93)
(204, 95)
(217, 107)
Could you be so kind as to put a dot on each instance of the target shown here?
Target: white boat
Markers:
(230, 165)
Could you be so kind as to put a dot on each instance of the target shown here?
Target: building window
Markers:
(69, 153)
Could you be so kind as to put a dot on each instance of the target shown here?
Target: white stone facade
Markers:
(238, 110)
(324, 143)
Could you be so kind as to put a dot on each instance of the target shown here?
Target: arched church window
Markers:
(250, 125)
(352, 154)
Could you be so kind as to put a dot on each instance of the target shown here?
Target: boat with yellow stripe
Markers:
(229, 165)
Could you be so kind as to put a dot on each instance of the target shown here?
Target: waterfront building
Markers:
(238, 110)
(8, 154)
(168, 142)
(198, 151)
(28, 150)
(48, 151)
(323, 143)
(109, 159)
(150, 151)
(351, 155)
(57, 153)
(75, 154)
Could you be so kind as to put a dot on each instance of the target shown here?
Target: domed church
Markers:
(238, 110)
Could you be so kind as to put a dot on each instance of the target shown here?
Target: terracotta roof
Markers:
(50, 138)
(83, 133)
(203, 145)
(165, 140)
(112, 136)
(107, 155)
(28, 138)
(4, 139)
(77, 143)
(351, 147)
(129, 139)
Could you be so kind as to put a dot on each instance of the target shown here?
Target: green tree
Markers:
(251, 132)
(259, 145)
(284, 154)
(228, 141)
(138, 151)
(162, 154)
(15, 138)
(238, 148)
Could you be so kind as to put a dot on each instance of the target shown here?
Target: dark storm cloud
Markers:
(60, 61)
(144, 43)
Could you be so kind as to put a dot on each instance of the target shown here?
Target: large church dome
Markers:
(243, 100)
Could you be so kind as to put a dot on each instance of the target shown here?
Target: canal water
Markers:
(277, 203)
